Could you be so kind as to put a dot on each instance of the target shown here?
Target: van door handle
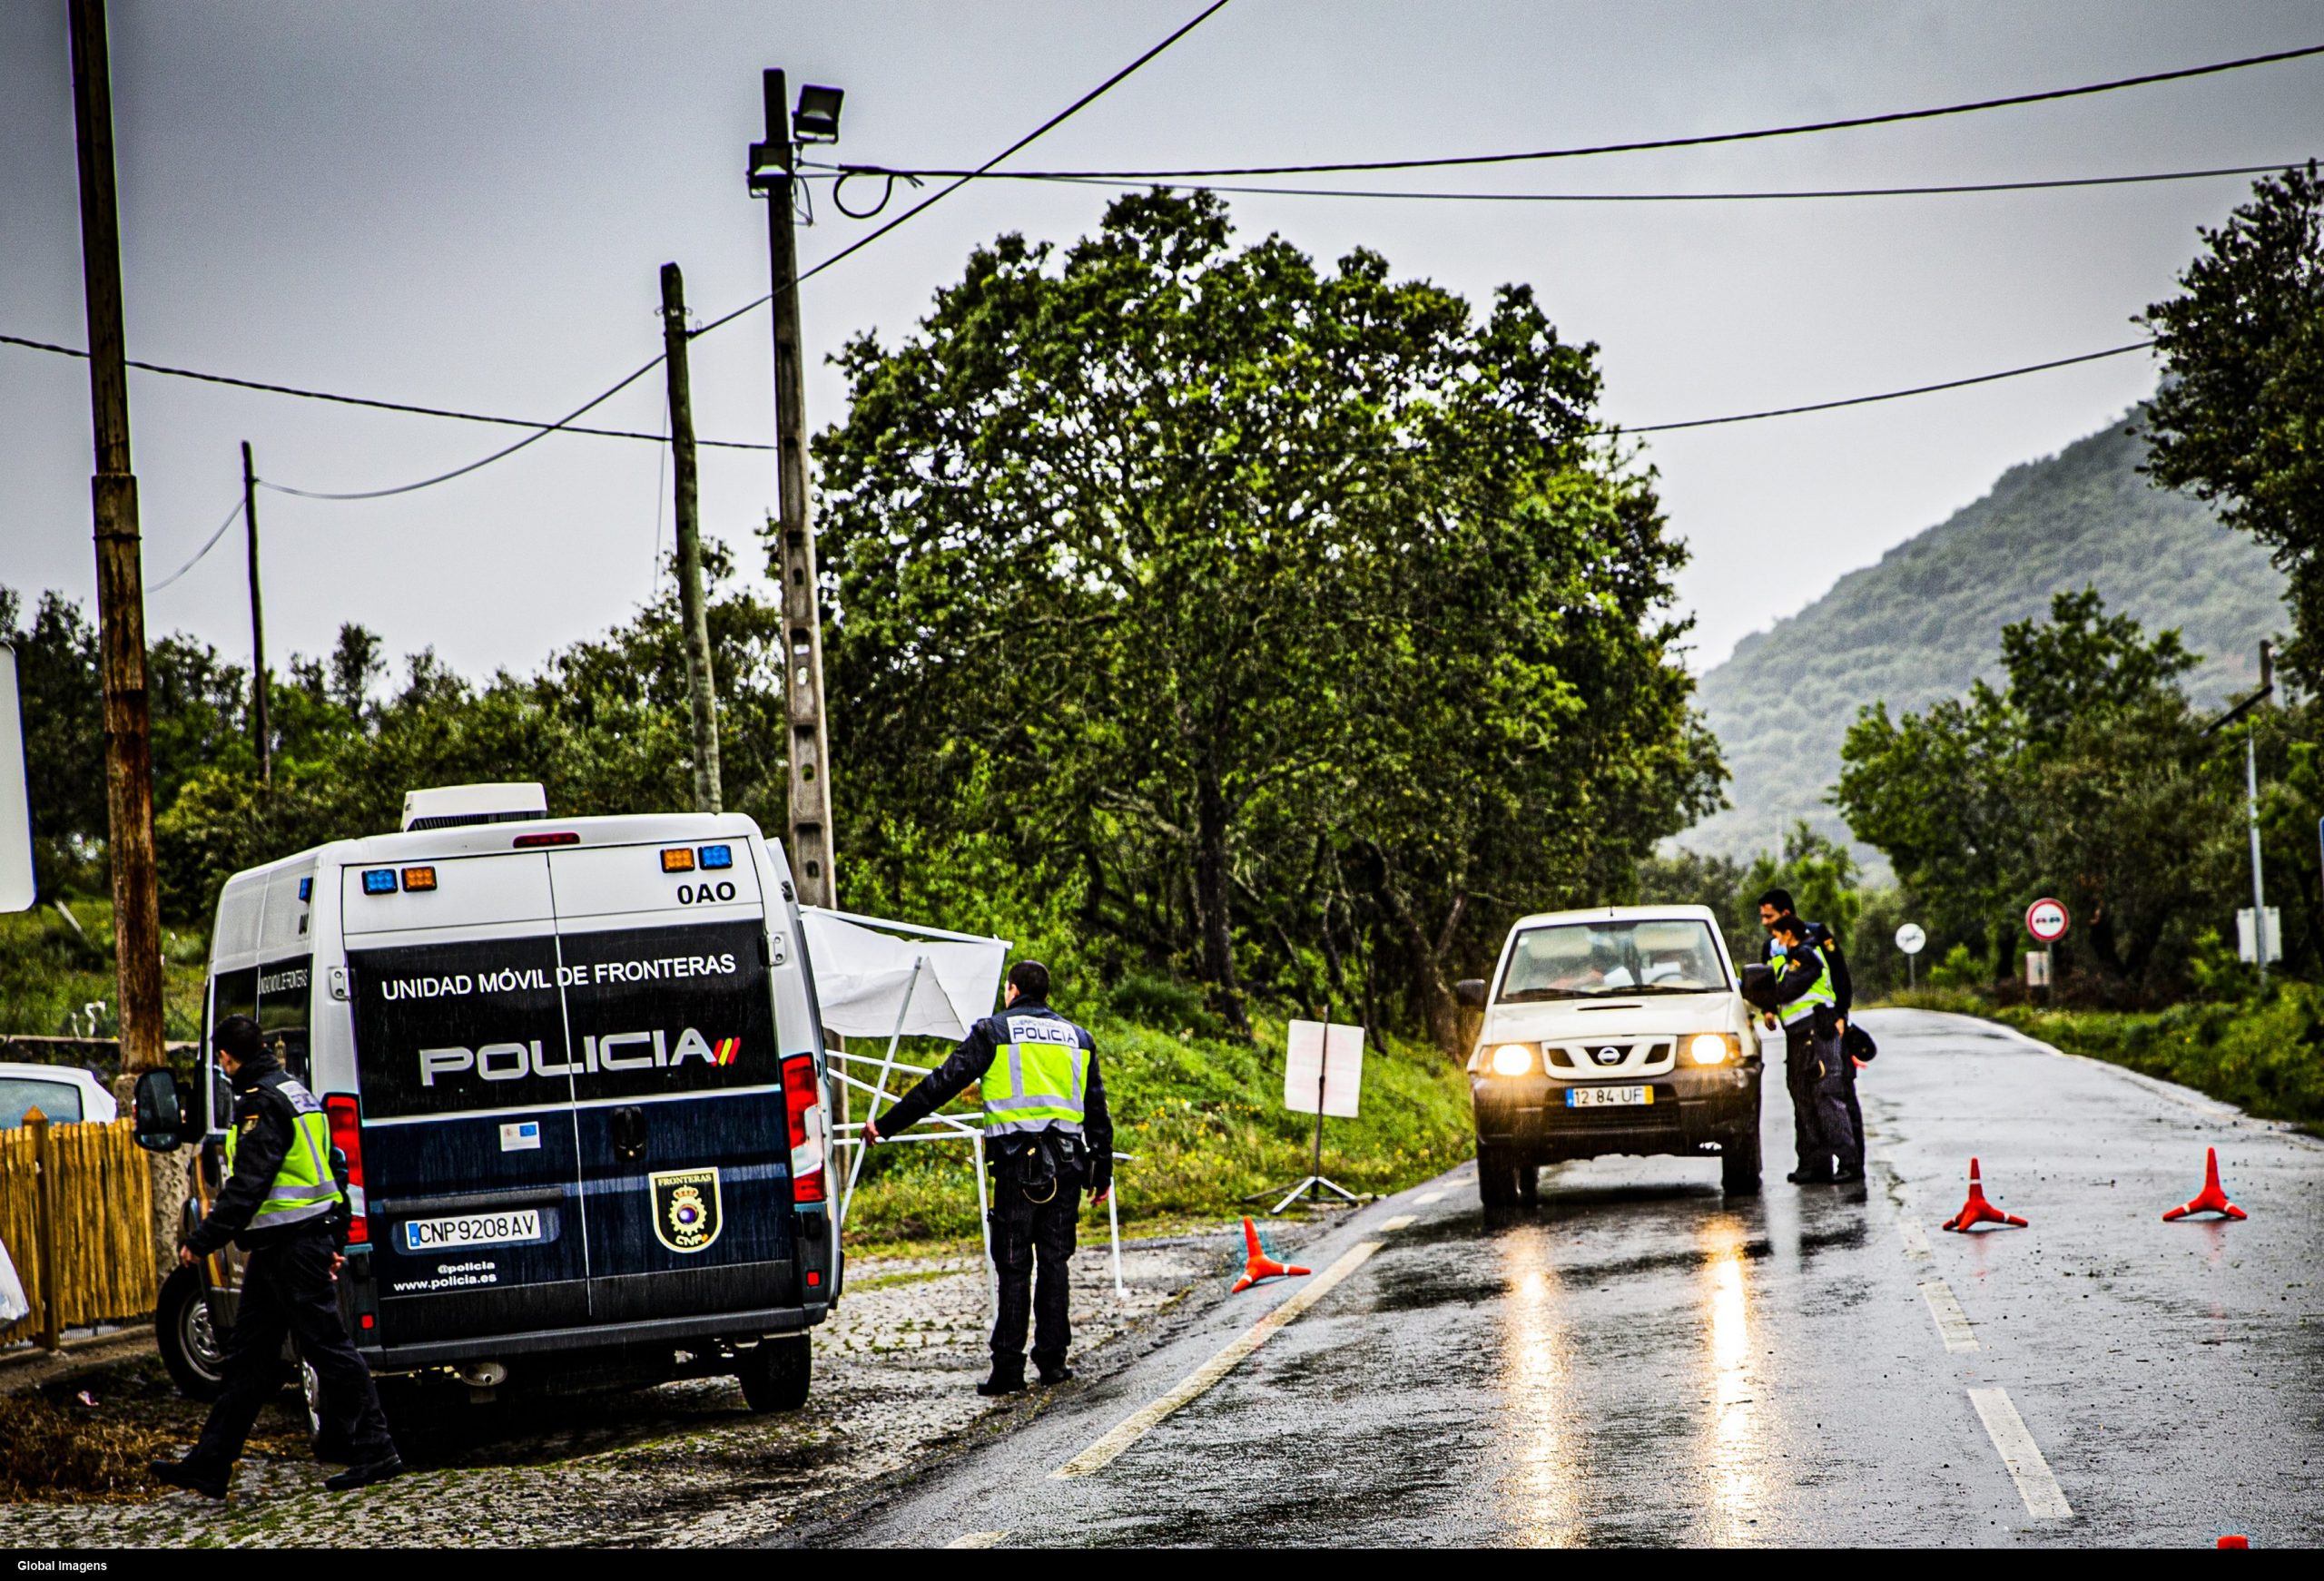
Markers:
(629, 1132)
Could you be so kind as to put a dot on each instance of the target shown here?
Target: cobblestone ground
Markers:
(684, 1465)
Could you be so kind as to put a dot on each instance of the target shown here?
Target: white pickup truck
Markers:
(1616, 1030)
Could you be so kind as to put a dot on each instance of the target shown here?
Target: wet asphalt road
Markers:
(1638, 1361)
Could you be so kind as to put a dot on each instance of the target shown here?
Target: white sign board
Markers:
(2046, 919)
(16, 805)
(2247, 947)
(2037, 968)
(1911, 939)
(1325, 1061)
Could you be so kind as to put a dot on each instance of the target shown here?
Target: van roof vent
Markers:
(453, 806)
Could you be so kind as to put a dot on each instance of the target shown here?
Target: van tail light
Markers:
(347, 1134)
(803, 1108)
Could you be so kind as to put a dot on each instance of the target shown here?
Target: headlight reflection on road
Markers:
(1732, 1453)
(1542, 1496)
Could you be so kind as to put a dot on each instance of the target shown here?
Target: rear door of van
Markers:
(684, 1144)
(471, 1167)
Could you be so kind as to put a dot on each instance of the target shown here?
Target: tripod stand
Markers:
(1316, 1183)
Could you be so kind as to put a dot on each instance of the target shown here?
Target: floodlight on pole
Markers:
(816, 119)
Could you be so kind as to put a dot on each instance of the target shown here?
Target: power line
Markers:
(1440, 196)
(349, 400)
(207, 545)
(1702, 140)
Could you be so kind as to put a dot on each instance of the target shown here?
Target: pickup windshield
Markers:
(1596, 960)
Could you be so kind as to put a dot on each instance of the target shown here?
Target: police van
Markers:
(574, 1067)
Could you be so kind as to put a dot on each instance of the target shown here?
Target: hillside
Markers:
(1926, 620)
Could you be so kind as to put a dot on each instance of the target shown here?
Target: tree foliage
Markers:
(1290, 620)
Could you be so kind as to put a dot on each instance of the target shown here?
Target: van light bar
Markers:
(563, 837)
(380, 881)
(718, 856)
(678, 860)
(306, 890)
(416, 879)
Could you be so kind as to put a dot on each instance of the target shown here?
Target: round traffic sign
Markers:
(2046, 919)
(1911, 939)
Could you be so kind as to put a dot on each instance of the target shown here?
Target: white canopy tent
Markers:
(876, 977)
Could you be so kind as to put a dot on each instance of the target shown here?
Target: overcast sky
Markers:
(466, 204)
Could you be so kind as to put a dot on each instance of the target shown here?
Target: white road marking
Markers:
(2045, 1499)
(1401, 1221)
(1951, 1322)
(977, 1540)
(1915, 1238)
(1098, 1455)
(1425, 1198)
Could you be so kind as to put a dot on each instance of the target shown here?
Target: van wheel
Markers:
(774, 1374)
(1738, 1166)
(1496, 1177)
(182, 1332)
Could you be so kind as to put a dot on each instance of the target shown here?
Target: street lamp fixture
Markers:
(817, 118)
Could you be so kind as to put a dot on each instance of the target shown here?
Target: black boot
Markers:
(1007, 1378)
(1051, 1373)
(185, 1474)
(364, 1476)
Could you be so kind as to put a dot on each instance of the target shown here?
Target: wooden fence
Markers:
(101, 1207)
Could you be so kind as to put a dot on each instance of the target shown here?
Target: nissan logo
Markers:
(1609, 1056)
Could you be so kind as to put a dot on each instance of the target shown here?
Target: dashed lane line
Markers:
(1951, 1322)
(977, 1540)
(1401, 1222)
(1425, 1198)
(1099, 1455)
(2045, 1499)
(1915, 1238)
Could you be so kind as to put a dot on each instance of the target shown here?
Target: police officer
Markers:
(1047, 1134)
(1817, 1072)
(1778, 903)
(282, 1204)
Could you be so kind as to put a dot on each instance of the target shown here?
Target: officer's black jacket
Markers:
(265, 1126)
(966, 1066)
(1820, 940)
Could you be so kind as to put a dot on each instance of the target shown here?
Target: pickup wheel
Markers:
(1738, 1166)
(1497, 1177)
(774, 1374)
(188, 1342)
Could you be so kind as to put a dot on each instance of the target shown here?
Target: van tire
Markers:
(1496, 1177)
(774, 1374)
(193, 1350)
(1738, 1166)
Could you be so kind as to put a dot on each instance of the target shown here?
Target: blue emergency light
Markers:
(380, 881)
(718, 856)
(306, 890)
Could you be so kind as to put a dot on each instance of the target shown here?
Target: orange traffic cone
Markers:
(1257, 1264)
(1977, 1209)
(2211, 1199)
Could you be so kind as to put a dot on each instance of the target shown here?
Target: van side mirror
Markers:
(164, 1112)
(1471, 992)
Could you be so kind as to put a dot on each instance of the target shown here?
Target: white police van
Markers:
(576, 1069)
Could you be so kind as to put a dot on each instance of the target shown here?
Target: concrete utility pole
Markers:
(694, 613)
(810, 793)
(121, 588)
(261, 683)
(2260, 938)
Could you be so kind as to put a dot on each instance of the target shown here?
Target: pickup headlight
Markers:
(1710, 1048)
(1512, 1059)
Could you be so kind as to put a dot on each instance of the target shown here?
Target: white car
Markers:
(1617, 1030)
(66, 1095)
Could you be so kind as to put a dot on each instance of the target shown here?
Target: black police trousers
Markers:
(1826, 1132)
(287, 1291)
(1026, 1233)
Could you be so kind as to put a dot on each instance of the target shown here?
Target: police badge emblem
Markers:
(686, 1216)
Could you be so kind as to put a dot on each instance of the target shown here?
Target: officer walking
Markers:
(1817, 1072)
(1047, 1134)
(281, 1203)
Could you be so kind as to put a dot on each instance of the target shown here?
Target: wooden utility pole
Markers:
(260, 682)
(811, 791)
(121, 588)
(693, 610)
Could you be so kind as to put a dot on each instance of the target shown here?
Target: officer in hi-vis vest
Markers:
(282, 1204)
(1047, 1134)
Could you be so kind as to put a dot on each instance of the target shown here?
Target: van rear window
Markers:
(500, 1024)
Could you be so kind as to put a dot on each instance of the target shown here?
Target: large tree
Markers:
(2240, 417)
(1281, 614)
